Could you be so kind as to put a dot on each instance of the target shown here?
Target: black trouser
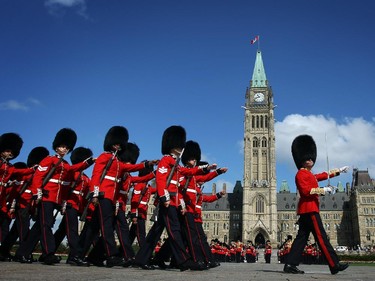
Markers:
(28, 245)
(107, 219)
(168, 219)
(138, 230)
(267, 257)
(122, 229)
(191, 237)
(47, 220)
(311, 223)
(69, 227)
(4, 225)
(209, 257)
(89, 235)
(19, 229)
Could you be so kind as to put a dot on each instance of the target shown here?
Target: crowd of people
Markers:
(46, 185)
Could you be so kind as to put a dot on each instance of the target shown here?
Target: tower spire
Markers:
(259, 78)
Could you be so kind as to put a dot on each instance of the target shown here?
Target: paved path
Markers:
(227, 271)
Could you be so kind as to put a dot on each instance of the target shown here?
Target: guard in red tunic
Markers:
(209, 258)
(21, 197)
(10, 147)
(142, 192)
(268, 251)
(106, 179)
(129, 156)
(304, 155)
(72, 203)
(168, 178)
(51, 180)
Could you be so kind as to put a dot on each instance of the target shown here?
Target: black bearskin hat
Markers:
(192, 151)
(303, 148)
(11, 141)
(65, 136)
(80, 154)
(20, 165)
(36, 155)
(129, 153)
(173, 137)
(116, 135)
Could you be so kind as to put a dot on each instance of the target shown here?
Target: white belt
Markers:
(60, 182)
(76, 192)
(191, 190)
(27, 191)
(174, 182)
(143, 202)
(198, 206)
(112, 178)
(123, 192)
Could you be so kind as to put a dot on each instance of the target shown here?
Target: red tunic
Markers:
(164, 168)
(60, 181)
(127, 184)
(141, 196)
(76, 197)
(6, 171)
(190, 193)
(305, 181)
(110, 185)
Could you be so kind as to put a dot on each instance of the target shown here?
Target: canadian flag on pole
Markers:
(254, 40)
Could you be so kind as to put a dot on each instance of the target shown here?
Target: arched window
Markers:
(259, 205)
(264, 142)
(261, 121)
(257, 121)
(253, 122)
(265, 121)
(255, 142)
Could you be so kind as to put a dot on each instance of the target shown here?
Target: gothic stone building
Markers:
(348, 215)
(256, 211)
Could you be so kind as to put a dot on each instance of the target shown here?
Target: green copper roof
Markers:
(284, 186)
(340, 187)
(259, 75)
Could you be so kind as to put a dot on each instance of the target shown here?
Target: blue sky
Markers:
(146, 65)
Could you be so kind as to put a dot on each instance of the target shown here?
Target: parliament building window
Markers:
(259, 205)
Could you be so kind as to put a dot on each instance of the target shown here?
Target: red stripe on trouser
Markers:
(171, 234)
(119, 234)
(137, 232)
(20, 229)
(44, 229)
(103, 232)
(190, 239)
(200, 242)
(321, 241)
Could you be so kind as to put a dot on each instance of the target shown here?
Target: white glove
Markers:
(344, 169)
(328, 189)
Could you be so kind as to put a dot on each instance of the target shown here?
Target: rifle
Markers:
(48, 177)
(109, 163)
(90, 195)
(51, 172)
(85, 210)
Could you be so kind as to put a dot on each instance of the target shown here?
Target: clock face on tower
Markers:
(258, 97)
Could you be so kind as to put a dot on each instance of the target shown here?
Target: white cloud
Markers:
(350, 142)
(13, 105)
(57, 7)
(17, 105)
